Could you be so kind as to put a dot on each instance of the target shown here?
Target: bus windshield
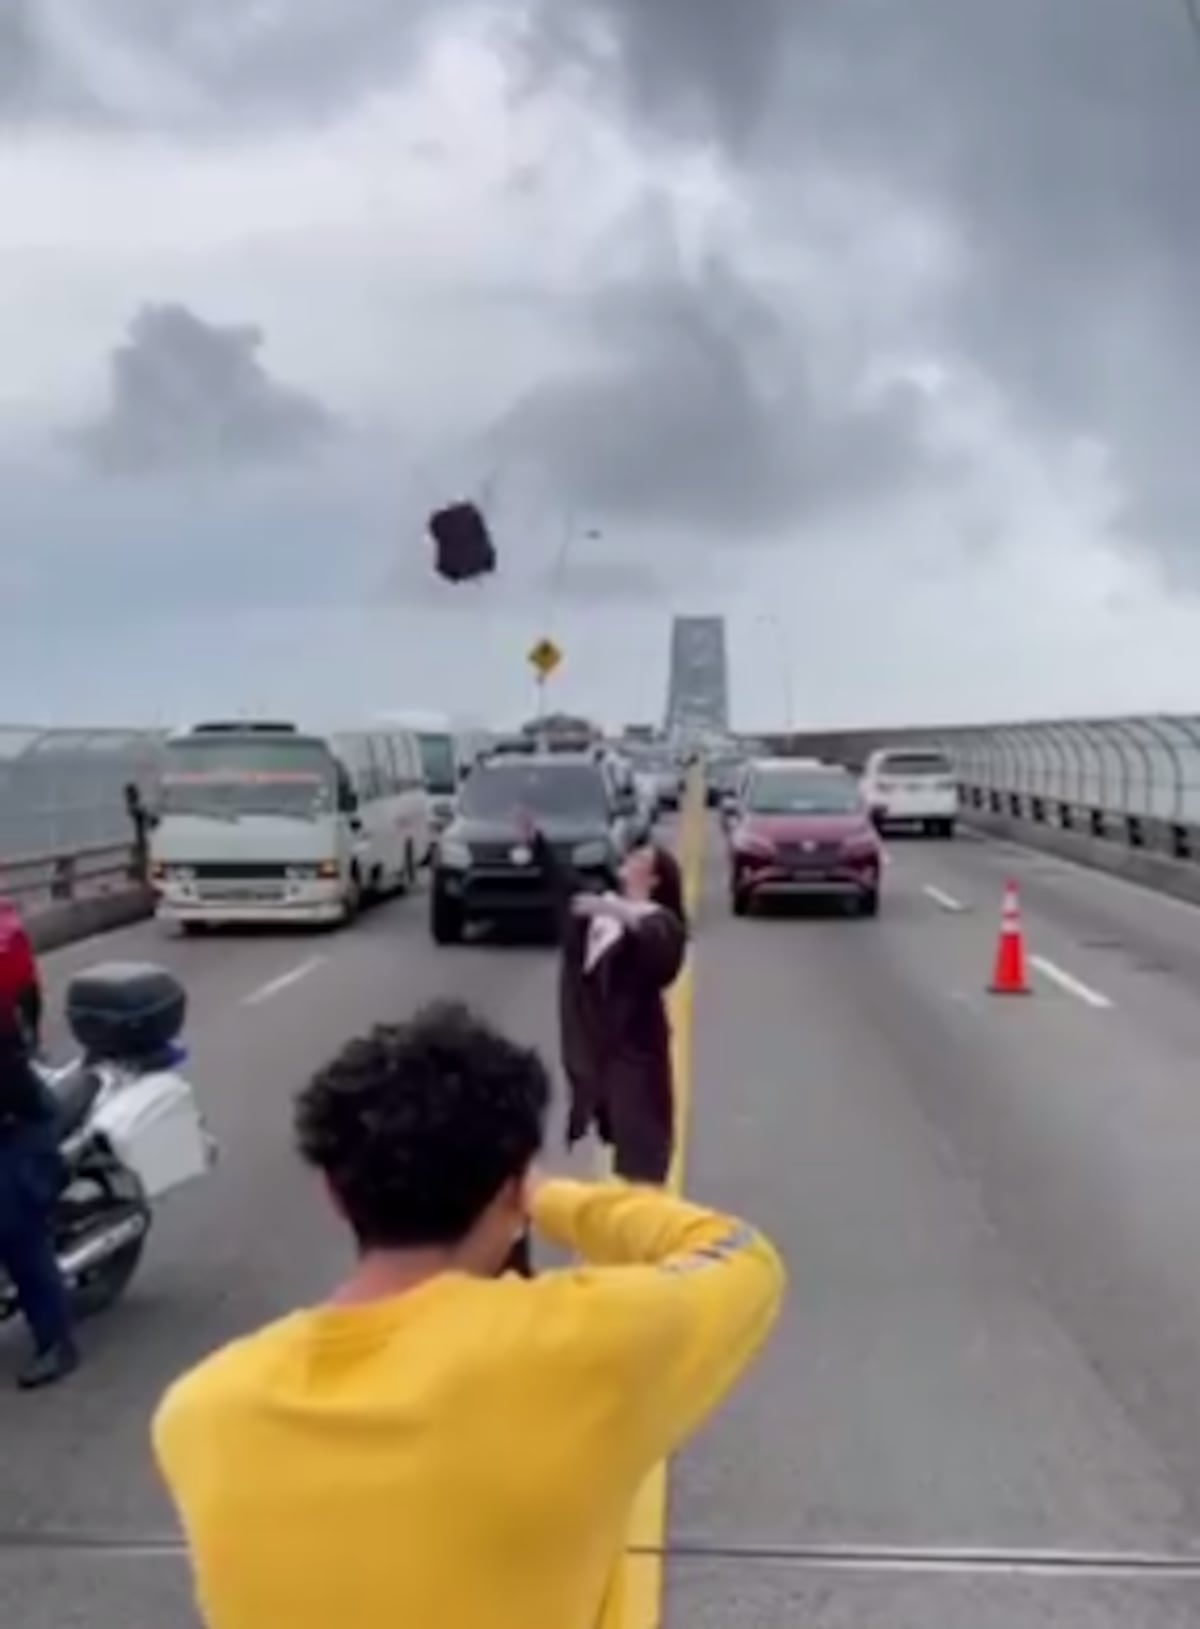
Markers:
(438, 761)
(228, 777)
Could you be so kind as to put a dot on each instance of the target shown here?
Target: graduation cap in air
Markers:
(463, 547)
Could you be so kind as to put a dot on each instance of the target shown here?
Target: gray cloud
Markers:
(699, 415)
(702, 69)
(611, 581)
(190, 395)
(1059, 139)
(197, 63)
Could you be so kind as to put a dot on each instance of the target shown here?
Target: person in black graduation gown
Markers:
(621, 951)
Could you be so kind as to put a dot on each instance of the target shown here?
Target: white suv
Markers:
(912, 786)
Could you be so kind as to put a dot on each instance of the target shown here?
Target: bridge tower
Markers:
(698, 686)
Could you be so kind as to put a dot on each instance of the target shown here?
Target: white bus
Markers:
(266, 822)
(448, 750)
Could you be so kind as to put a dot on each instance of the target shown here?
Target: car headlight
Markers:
(591, 856)
(753, 846)
(454, 856)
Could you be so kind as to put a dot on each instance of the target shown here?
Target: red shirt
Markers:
(18, 965)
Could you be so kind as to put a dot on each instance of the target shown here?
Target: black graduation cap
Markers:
(463, 546)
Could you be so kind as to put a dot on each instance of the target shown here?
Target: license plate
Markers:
(807, 855)
(242, 891)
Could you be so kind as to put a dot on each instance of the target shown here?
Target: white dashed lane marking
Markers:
(1068, 982)
(943, 900)
(276, 986)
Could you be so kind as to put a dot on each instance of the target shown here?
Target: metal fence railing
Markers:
(65, 789)
(33, 881)
(1142, 765)
(1134, 779)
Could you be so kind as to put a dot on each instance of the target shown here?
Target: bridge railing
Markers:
(63, 789)
(1133, 780)
(61, 877)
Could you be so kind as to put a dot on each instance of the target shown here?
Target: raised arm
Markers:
(658, 938)
(563, 879)
(696, 1298)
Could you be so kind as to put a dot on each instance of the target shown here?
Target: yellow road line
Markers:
(638, 1596)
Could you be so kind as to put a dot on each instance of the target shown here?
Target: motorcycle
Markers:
(130, 1130)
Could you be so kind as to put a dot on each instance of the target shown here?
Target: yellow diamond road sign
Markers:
(545, 657)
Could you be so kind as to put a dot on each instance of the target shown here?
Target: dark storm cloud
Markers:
(699, 416)
(190, 395)
(1060, 136)
(183, 63)
(120, 551)
(700, 68)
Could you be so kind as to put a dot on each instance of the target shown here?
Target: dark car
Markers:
(483, 869)
(804, 831)
(721, 778)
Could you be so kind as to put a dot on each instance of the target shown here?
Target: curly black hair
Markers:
(418, 1126)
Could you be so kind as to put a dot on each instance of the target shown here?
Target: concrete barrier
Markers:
(1161, 872)
(53, 925)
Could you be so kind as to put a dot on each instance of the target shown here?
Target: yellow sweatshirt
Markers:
(466, 1455)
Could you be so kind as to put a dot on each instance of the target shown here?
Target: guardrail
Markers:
(72, 894)
(1119, 793)
(60, 877)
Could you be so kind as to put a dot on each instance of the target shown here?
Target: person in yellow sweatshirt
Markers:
(442, 1443)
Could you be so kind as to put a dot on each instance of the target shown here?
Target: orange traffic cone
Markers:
(1008, 976)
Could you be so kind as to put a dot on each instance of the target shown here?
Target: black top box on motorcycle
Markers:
(125, 1011)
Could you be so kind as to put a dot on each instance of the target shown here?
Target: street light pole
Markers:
(572, 533)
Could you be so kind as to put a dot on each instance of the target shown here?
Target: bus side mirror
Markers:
(347, 799)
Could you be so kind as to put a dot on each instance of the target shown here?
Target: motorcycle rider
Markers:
(32, 1175)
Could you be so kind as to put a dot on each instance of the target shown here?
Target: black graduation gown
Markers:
(615, 1033)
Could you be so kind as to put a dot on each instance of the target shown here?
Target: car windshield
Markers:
(800, 792)
(229, 777)
(564, 791)
(916, 763)
(437, 761)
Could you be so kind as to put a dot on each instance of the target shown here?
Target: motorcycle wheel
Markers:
(108, 1281)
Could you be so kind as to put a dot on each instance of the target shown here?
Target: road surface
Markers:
(988, 1210)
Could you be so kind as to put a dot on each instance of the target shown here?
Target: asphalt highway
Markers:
(983, 1405)
(982, 1408)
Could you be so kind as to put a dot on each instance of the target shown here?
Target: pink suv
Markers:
(803, 830)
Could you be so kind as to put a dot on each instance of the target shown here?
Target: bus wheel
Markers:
(408, 879)
(352, 901)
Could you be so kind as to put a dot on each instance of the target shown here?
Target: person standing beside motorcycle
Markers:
(20, 984)
(32, 1174)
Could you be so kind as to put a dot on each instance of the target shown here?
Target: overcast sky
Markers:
(870, 323)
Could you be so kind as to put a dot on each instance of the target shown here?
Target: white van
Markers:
(912, 786)
(442, 759)
(265, 822)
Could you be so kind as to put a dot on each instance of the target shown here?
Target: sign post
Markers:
(544, 658)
